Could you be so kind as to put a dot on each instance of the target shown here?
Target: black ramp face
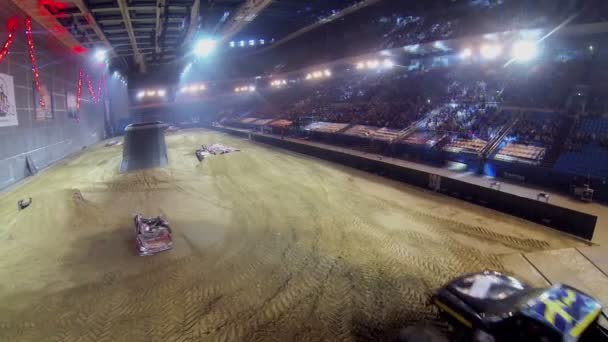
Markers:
(144, 147)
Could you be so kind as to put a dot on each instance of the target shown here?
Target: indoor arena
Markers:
(269, 245)
(304, 170)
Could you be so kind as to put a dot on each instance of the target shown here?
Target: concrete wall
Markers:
(118, 104)
(50, 140)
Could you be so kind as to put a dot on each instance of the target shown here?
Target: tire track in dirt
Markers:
(300, 259)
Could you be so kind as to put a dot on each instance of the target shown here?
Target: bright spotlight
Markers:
(183, 89)
(360, 65)
(192, 88)
(101, 55)
(327, 72)
(161, 92)
(278, 83)
(251, 42)
(309, 76)
(373, 64)
(466, 53)
(141, 94)
(151, 93)
(204, 47)
(388, 64)
(251, 88)
(262, 42)
(232, 44)
(202, 87)
(491, 51)
(524, 51)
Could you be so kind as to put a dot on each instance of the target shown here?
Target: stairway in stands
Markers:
(493, 145)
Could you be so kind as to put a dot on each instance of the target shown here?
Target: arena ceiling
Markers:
(145, 34)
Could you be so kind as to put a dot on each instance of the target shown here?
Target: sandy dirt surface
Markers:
(269, 245)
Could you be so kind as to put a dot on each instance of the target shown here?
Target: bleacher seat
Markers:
(591, 159)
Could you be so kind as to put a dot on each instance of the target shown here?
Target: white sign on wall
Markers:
(46, 112)
(71, 104)
(8, 108)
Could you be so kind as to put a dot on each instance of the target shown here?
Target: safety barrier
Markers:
(563, 219)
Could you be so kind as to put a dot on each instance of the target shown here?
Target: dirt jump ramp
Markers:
(144, 147)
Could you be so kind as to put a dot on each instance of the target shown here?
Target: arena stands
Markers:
(515, 114)
(586, 151)
(385, 101)
(545, 85)
(459, 102)
(531, 138)
(407, 30)
(537, 129)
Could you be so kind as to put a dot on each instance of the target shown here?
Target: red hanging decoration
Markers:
(90, 86)
(79, 94)
(12, 27)
(105, 86)
(99, 89)
(30, 44)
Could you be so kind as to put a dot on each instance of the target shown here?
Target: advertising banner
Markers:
(8, 108)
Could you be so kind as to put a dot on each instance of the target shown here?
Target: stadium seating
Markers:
(590, 160)
(586, 149)
(535, 134)
(597, 126)
(457, 107)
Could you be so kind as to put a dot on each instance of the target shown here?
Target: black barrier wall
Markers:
(563, 219)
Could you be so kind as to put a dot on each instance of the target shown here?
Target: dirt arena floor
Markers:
(269, 246)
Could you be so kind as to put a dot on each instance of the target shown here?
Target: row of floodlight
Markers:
(250, 42)
(244, 89)
(278, 83)
(521, 51)
(375, 64)
(318, 74)
(193, 88)
(151, 93)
